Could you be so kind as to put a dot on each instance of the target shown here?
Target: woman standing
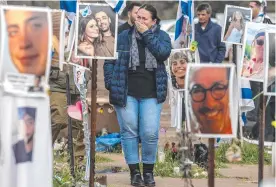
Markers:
(137, 82)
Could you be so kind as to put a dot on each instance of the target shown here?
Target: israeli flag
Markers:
(185, 13)
(70, 7)
(117, 5)
(246, 101)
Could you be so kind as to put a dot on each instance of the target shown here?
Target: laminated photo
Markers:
(58, 41)
(178, 60)
(234, 24)
(253, 55)
(210, 101)
(23, 147)
(270, 61)
(96, 31)
(26, 37)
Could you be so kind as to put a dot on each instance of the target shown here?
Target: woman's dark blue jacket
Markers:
(116, 71)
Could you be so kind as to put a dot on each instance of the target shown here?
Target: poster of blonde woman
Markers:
(178, 61)
(270, 61)
(26, 37)
(96, 27)
(235, 19)
(253, 61)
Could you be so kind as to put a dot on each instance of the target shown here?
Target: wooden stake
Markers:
(93, 122)
(211, 162)
(261, 142)
(70, 135)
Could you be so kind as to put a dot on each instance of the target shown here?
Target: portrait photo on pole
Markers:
(23, 147)
(253, 55)
(58, 40)
(26, 37)
(234, 23)
(178, 61)
(270, 61)
(96, 31)
(183, 39)
(209, 100)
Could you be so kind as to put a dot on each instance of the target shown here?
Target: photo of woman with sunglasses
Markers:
(254, 66)
(253, 61)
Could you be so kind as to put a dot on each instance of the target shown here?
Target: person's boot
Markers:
(135, 175)
(148, 174)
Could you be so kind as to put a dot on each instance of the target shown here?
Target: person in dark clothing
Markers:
(132, 9)
(137, 82)
(23, 149)
(208, 36)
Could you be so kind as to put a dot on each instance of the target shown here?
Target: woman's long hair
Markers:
(82, 27)
(235, 19)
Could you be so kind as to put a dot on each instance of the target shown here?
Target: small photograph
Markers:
(182, 40)
(37, 87)
(234, 24)
(23, 148)
(209, 100)
(253, 51)
(178, 61)
(270, 61)
(58, 43)
(96, 31)
(79, 75)
(25, 52)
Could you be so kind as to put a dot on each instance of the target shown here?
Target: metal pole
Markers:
(211, 163)
(93, 122)
(70, 135)
(261, 143)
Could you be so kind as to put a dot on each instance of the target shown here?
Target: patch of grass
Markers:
(250, 154)
(102, 159)
(166, 168)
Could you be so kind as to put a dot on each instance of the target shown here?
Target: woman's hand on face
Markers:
(141, 27)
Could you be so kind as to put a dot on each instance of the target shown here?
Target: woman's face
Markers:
(145, 17)
(92, 29)
(238, 16)
(259, 48)
(179, 68)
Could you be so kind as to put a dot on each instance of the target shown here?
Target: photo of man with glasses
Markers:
(208, 99)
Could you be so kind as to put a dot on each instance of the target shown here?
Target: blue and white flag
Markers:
(70, 7)
(246, 102)
(117, 5)
(185, 14)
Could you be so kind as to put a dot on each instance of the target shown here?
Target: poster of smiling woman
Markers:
(211, 103)
(96, 27)
(26, 38)
(178, 61)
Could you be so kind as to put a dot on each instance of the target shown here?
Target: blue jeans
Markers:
(139, 119)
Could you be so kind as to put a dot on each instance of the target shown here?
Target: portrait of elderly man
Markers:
(208, 100)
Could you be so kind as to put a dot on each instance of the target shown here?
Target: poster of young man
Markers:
(26, 139)
(178, 61)
(253, 62)
(210, 100)
(270, 61)
(96, 31)
(26, 38)
(234, 23)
